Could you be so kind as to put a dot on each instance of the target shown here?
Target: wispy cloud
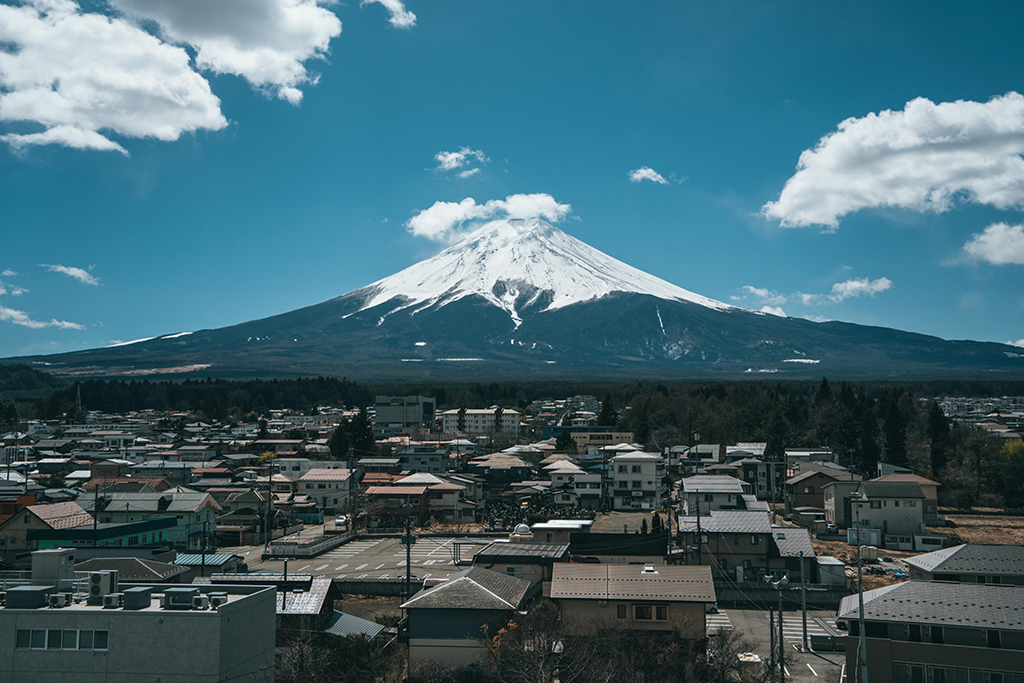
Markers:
(25, 320)
(643, 173)
(999, 244)
(398, 15)
(1019, 342)
(9, 273)
(80, 274)
(764, 295)
(469, 173)
(926, 158)
(861, 287)
(841, 291)
(445, 221)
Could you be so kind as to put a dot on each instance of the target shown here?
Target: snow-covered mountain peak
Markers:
(520, 263)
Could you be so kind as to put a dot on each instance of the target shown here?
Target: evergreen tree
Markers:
(643, 525)
(498, 412)
(868, 450)
(606, 418)
(656, 525)
(461, 421)
(262, 432)
(894, 433)
(361, 434)
(776, 434)
(824, 393)
(339, 441)
(564, 442)
(938, 437)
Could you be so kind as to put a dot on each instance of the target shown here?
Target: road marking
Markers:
(786, 670)
(381, 566)
(426, 576)
(338, 569)
(812, 669)
(303, 567)
(362, 576)
(340, 576)
(321, 567)
(429, 561)
(362, 566)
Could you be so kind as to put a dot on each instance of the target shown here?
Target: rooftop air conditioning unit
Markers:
(201, 602)
(100, 584)
(113, 600)
(218, 599)
(58, 600)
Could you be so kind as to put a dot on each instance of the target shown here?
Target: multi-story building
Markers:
(894, 511)
(195, 512)
(937, 632)
(328, 487)
(970, 563)
(637, 481)
(145, 632)
(403, 414)
(703, 493)
(838, 499)
(481, 421)
(423, 458)
(296, 467)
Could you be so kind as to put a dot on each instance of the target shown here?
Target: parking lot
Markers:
(377, 558)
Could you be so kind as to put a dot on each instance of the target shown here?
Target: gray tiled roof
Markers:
(973, 559)
(501, 550)
(632, 582)
(730, 522)
(943, 604)
(891, 489)
(475, 588)
(711, 483)
(793, 542)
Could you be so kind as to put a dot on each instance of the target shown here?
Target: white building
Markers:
(330, 488)
(637, 481)
(480, 421)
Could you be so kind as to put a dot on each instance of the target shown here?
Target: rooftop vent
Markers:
(137, 598)
(179, 598)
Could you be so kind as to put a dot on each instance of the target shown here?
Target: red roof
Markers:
(62, 515)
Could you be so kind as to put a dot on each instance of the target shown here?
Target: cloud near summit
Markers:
(926, 158)
(446, 221)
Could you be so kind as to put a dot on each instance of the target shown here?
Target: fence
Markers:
(79, 585)
(311, 547)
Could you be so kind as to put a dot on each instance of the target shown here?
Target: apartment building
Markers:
(481, 421)
(330, 488)
(403, 414)
(970, 563)
(636, 481)
(937, 632)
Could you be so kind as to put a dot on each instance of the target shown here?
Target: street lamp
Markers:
(778, 586)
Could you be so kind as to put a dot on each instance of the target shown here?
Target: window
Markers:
(635, 484)
(753, 540)
(876, 505)
(746, 564)
(636, 468)
(514, 571)
(661, 612)
(993, 638)
(808, 489)
(23, 639)
(643, 612)
(910, 503)
(54, 639)
(620, 611)
(38, 639)
(70, 640)
(936, 634)
(622, 470)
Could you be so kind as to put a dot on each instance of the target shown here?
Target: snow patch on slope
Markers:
(512, 264)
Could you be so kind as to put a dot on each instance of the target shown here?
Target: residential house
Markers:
(530, 561)
(194, 512)
(929, 488)
(423, 458)
(448, 621)
(388, 506)
(970, 563)
(703, 493)
(766, 479)
(48, 517)
(639, 597)
(735, 543)
(296, 467)
(838, 497)
(889, 513)
(937, 632)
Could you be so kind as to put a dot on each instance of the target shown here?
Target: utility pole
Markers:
(862, 654)
(782, 651)
(700, 553)
(408, 548)
(270, 498)
(803, 597)
(771, 642)
(202, 567)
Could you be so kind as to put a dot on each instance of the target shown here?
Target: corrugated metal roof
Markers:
(712, 483)
(196, 559)
(396, 490)
(793, 542)
(501, 550)
(345, 625)
(730, 522)
(475, 588)
(891, 489)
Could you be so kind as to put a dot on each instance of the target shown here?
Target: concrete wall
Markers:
(165, 645)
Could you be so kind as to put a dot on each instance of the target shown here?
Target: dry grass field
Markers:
(996, 529)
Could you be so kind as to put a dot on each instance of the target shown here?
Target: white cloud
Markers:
(11, 289)
(449, 161)
(83, 75)
(773, 310)
(855, 288)
(469, 173)
(999, 244)
(1019, 342)
(765, 295)
(398, 16)
(263, 41)
(9, 273)
(22, 318)
(924, 158)
(443, 220)
(80, 274)
(646, 173)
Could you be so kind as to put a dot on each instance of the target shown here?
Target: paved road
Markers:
(803, 667)
(374, 558)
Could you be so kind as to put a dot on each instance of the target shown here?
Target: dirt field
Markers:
(985, 529)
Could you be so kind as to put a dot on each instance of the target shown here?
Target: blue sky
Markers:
(249, 201)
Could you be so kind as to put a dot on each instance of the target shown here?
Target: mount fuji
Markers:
(522, 298)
